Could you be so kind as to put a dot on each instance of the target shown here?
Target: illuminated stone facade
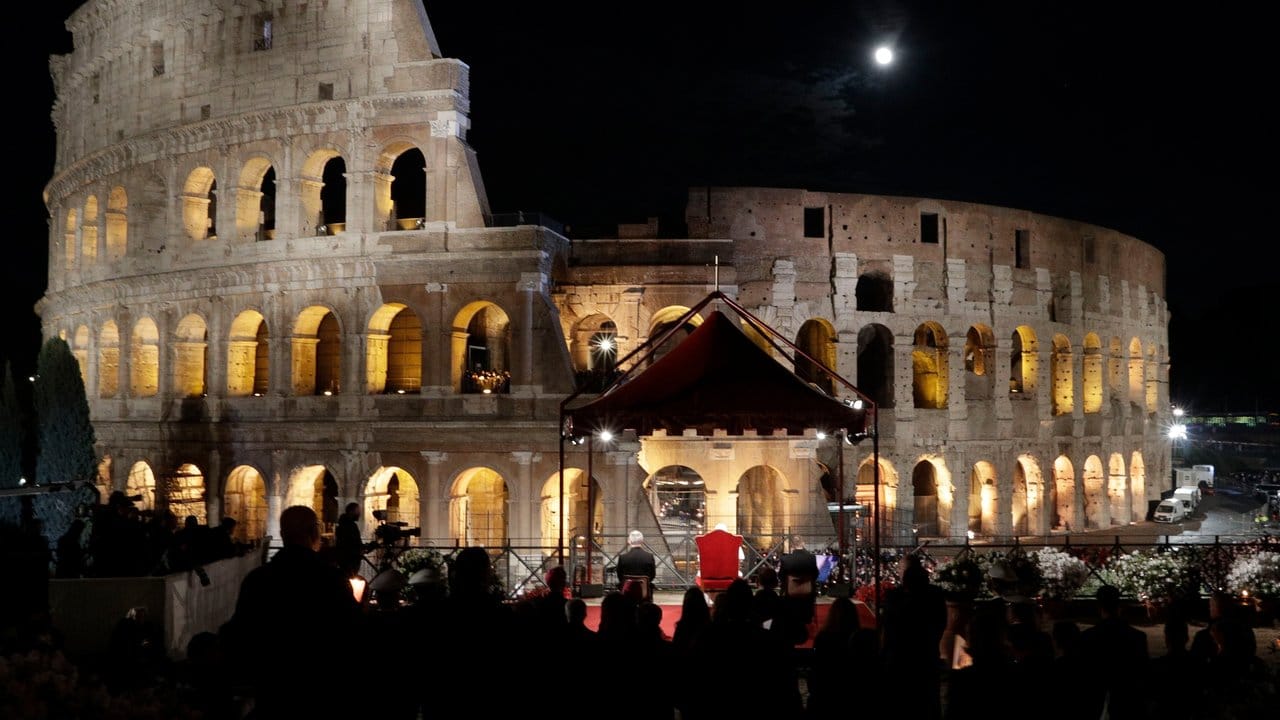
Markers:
(271, 251)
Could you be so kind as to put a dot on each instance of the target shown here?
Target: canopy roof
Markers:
(716, 379)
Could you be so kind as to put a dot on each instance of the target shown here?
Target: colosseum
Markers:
(272, 253)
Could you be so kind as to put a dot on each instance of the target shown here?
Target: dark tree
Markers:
(62, 417)
(12, 432)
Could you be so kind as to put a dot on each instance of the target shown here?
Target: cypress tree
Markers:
(11, 432)
(62, 418)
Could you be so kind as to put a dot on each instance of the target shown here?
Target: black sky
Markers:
(1152, 119)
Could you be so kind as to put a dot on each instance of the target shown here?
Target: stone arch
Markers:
(70, 228)
(817, 339)
(80, 349)
(248, 357)
(108, 360)
(317, 488)
(323, 193)
(393, 358)
(190, 347)
(678, 496)
(1062, 496)
(144, 359)
(481, 348)
(929, 366)
(1138, 485)
(1137, 376)
(1092, 485)
(926, 514)
(593, 348)
(141, 483)
(874, 292)
(245, 499)
(89, 230)
(1027, 504)
(984, 499)
(392, 489)
(1091, 390)
(1120, 501)
(866, 492)
(1063, 377)
(979, 363)
(256, 199)
(1024, 362)
(478, 508)
(875, 364)
(317, 352)
(184, 493)
(761, 506)
(400, 187)
(661, 322)
(200, 204)
(117, 223)
(576, 493)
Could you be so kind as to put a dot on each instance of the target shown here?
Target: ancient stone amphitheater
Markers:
(271, 250)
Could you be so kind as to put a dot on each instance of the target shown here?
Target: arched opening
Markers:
(678, 497)
(333, 198)
(199, 204)
(478, 509)
(979, 354)
(141, 485)
(1022, 500)
(1092, 374)
(576, 493)
(1136, 375)
(183, 491)
(875, 364)
(924, 496)
(315, 487)
(144, 359)
(983, 499)
(245, 500)
(1137, 486)
(256, 200)
(593, 349)
(762, 508)
(1118, 498)
(929, 367)
(1063, 505)
(1023, 362)
(394, 490)
(866, 496)
(408, 190)
(1093, 492)
(874, 292)
(117, 224)
(662, 322)
(1063, 378)
(69, 238)
(108, 360)
(481, 345)
(817, 339)
(1151, 384)
(89, 230)
(80, 349)
(190, 347)
(317, 353)
(248, 358)
(393, 358)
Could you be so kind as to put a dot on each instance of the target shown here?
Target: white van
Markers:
(1190, 494)
(1172, 510)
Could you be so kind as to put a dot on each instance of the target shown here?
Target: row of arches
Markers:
(393, 358)
(94, 231)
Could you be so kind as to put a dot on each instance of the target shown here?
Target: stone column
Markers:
(437, 341)
(432, 504)
(214, 487)
(524, 522)
(276, 492)
(522, 379)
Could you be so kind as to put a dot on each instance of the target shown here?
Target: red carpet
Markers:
(671, 613)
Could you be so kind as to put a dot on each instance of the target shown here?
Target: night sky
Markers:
(1154, 124)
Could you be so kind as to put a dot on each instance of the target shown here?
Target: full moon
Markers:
(884, 55)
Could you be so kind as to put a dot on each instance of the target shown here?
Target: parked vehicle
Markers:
(1190, 494)
(1172, 510)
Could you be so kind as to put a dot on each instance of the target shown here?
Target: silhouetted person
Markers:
(832, 662)
(915, 616)
(636, 561)
(1028, 643)
(798, 574)
(222, 543)
(348, 545)
(994, 682)
(296, 628)
(478, 627)
(1116, 659)
(1175, 669)
(136, 654)
(651, 649)
(1070, 671)
(70, 556)
(766, 601)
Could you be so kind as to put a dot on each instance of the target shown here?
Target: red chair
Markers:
(717, 559)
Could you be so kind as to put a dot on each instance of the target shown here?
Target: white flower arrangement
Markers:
(1256, 573)
(1154, 576)
(1062, 574)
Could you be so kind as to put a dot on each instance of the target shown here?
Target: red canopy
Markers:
(717, 378)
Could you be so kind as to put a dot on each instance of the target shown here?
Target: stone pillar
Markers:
(437, 341)
(432, 504)
(214, 489)
(522, 379)
(520, 530)
(276, 491)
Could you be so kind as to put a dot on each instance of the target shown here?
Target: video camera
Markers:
(392, 532)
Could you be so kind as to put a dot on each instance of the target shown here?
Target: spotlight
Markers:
(822, 435)
(605, 436)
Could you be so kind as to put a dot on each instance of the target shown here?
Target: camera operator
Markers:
(348, 547)
(390, 537)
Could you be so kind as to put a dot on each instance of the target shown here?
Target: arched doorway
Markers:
(478, 508)
(576, 493)
(678, 497)
(924, 496)
(983, 499)
(141, 484)
(315, 487)
(762, 516)
(245, 500)
(392, 489)
(183, 491)
(1063, 499)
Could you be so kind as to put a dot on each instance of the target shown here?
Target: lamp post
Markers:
(1177, 431)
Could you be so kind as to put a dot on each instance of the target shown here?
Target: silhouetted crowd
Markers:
(300, 644)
